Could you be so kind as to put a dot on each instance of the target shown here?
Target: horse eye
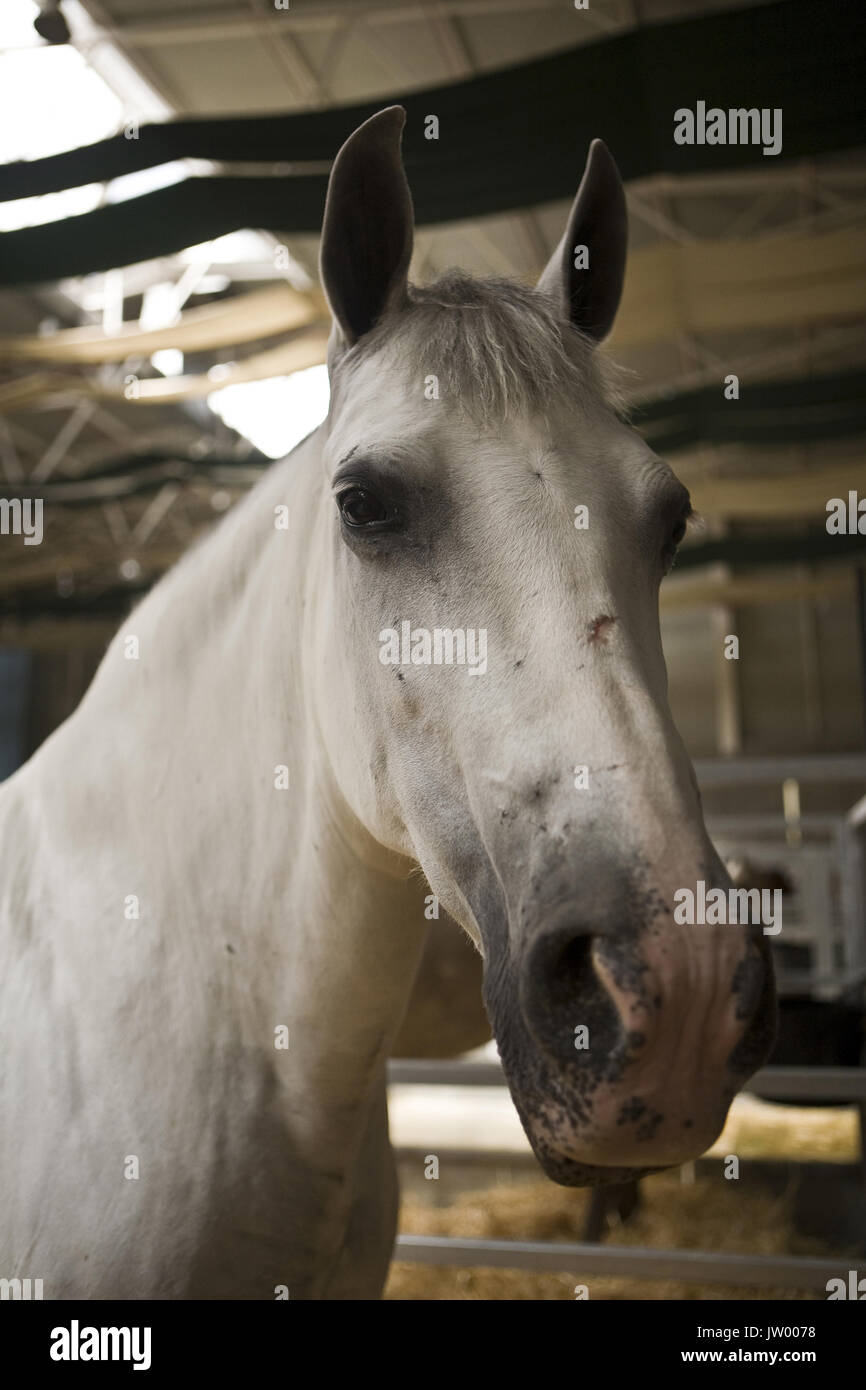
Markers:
(359, 507)
(674, 539)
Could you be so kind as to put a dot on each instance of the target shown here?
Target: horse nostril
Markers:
(561, 993)
(571, 968)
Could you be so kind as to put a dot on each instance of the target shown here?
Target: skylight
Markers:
(52, 99)
(275, 415)
(56, 98)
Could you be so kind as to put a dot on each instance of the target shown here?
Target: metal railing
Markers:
(841, 1084)
(830, 918)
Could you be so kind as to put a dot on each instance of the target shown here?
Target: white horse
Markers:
(219, 873)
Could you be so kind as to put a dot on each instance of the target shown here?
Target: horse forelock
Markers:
(496, 348)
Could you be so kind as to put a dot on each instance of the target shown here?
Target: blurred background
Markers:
(162, 338)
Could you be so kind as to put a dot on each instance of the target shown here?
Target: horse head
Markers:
(492, 689)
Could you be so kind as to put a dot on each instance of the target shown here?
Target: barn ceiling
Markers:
(689, 316)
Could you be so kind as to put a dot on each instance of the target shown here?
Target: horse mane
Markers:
(496, 346)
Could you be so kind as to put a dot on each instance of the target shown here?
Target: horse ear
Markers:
(368, 226)
(585, 273)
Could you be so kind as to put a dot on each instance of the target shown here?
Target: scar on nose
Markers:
(597, 629)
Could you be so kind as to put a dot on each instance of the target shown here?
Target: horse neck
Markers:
(195, 772)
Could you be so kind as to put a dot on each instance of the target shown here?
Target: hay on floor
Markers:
(711, 1213)
(764, 1129)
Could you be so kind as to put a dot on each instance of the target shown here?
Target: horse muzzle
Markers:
(624, 1045)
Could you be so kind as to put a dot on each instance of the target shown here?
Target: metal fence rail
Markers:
(841, 1084)
(687, 1266)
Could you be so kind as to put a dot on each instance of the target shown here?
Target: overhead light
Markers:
(276, 414)
(168, 361)
(159, 306)
(129, 569)
(213, 284)
(142, 181)
(34, 85)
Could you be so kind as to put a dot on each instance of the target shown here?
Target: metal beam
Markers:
(300, 17)
(843, 1084)
(9, 460)
(281, 46)
(786, 353)
(754, 772)
(641, 204)
(689, 1266)
(59, 446)
(743, 181)
(729, 713)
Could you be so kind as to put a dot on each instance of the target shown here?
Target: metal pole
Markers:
(690, 1266)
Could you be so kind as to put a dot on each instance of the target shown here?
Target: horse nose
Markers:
(590, 992)
(564, 999)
